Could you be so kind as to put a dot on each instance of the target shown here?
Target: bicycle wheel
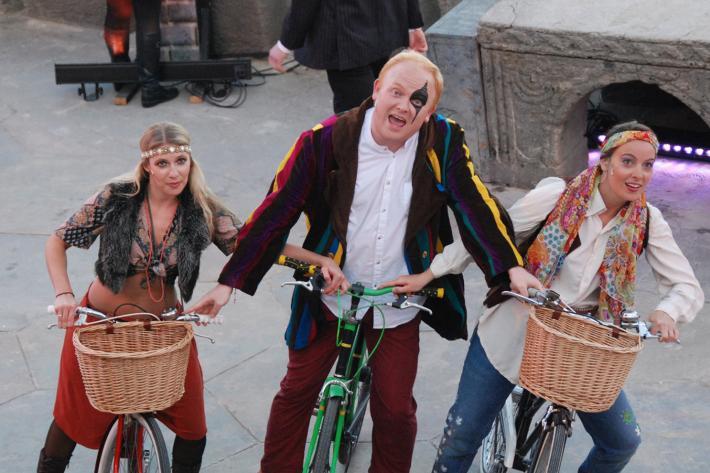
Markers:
(142, 448)
(548, 455)
(493, 449)
(354, 425)
(322, 460)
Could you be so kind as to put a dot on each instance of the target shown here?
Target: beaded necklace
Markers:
(156, 265)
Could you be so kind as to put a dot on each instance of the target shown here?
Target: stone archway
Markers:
(536, 82)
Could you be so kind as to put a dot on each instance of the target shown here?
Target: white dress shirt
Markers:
(502, 328)
(377, 223)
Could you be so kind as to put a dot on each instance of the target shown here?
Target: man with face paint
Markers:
(350, 39)
(376, 184)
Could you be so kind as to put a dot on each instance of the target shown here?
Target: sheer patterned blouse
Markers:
(84, 226)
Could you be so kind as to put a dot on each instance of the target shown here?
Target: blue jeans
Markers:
(481, 394)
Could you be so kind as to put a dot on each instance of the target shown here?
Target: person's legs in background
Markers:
(116, 29)
(350, 87)
(481, 395)
(616, 437)
(148, 40)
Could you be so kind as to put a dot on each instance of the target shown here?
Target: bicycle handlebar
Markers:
(316, 282)
(169, 315)
(630, 321)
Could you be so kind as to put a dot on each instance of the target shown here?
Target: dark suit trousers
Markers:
(392, 405)
(350, 87)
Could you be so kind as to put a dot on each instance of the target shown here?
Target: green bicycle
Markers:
(343, 399)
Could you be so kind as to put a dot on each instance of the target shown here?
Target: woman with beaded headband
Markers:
(582, 240)
(153, 225)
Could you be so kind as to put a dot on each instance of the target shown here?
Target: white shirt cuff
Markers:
(283, 48)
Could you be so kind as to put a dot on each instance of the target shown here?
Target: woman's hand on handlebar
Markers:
(333, 276)
(65, 308)
(521, 281)
(211, 303)
(409, 283)
(664, 325)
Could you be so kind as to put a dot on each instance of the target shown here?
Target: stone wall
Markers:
(453, 47)
(540, 69)
(178, 27)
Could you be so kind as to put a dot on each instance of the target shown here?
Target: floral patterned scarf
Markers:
(617, 273)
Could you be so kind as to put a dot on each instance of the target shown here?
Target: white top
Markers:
(503, 335)
(378, 221)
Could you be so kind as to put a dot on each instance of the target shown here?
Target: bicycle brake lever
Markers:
(407, 304)
(403, 303)
(81, 320)
(306, 284)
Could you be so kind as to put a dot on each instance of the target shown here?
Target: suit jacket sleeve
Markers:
(264, 234)
(298, 22)
(414, 14)
(486, 229)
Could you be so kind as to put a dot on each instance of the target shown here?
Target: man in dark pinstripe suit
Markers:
(350, 39)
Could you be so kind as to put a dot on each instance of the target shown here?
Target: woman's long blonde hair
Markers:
(168, 133)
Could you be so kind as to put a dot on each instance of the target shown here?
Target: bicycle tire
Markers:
(550, 448)
(362, 397)
(157, 460)
(493, 449)
(322, 459)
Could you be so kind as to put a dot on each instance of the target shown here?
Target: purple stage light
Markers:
(677, 148)
(666, 147)
(688, 149)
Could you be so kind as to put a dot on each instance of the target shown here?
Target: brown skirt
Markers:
(77, 418)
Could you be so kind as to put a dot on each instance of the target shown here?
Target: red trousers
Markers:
(392, 404)
(77, 418)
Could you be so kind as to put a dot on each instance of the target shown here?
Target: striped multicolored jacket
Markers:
(317, 177)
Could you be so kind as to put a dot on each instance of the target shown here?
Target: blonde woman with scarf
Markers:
(582, 240)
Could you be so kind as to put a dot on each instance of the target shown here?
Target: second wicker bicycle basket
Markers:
(574, 361)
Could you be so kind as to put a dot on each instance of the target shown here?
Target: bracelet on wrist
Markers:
(64, 293)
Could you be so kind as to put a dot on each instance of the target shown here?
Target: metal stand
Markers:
(90, 97)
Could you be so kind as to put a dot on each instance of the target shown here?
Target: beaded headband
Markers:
(623, 137)
(165, 149)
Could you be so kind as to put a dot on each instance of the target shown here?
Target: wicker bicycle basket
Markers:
(576, 362)
(133, 366)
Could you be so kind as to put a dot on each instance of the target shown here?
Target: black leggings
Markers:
(118, 22)
(185, 452)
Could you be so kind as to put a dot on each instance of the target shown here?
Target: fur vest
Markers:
(120, 220)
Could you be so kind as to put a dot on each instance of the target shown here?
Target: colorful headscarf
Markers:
(615, 140)
(617, 273)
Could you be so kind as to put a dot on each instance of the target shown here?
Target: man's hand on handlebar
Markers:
(333, 276)
(521, 280)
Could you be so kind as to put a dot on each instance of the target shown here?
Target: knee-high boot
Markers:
(47, 464)
(152, 93)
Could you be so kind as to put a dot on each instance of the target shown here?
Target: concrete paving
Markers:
(56, 149)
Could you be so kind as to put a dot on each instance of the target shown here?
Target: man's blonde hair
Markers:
(409, 55)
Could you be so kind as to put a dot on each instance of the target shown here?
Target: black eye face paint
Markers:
(418, 99)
